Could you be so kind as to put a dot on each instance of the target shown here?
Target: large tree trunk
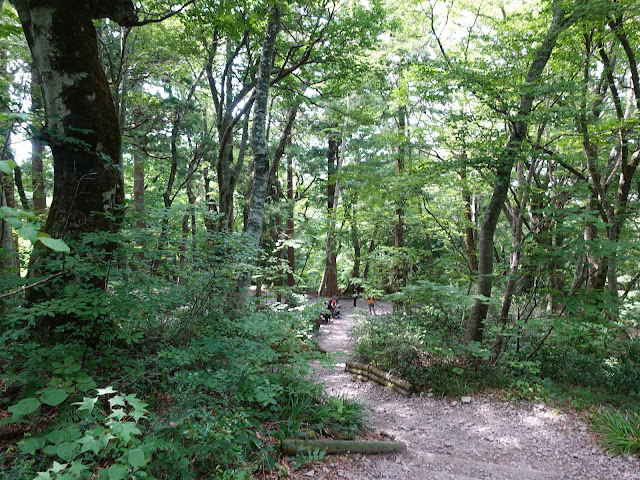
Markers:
(477, 316)
(330, 277)
(82, 123)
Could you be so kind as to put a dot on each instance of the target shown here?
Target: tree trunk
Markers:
(477, 316)
(79, 106)
(290, 232)
(331, 269)
(400, 270)
(139, 191)
(17, 173)
(37, 150)
(8, 260)
(469, 227)
(258, 134)
(516, 229)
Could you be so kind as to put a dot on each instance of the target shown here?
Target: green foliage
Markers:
(107, 442)
(418, 349)
(233, 372)
(619, 432)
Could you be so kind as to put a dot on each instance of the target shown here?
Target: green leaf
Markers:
(117, 400)
(31, 445)
(87, 403)
(25, 406)
(106, 391)
(7, 165)
(95, 443)
(29, 232)
(58, 467)
(117, 471)
(125, 431)
(117, 414)
(56, 244)
(53, 396)
(67, 450)
(136, 458)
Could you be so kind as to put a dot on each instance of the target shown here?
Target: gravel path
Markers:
(486, 438)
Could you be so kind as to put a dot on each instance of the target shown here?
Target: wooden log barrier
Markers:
(383, 378)
(292, 446)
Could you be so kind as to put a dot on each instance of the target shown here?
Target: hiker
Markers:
(333, 307)
(372, 304)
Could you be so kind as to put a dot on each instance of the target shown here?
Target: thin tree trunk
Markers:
(518, 221)
(139, 191)
(17, 172)
(400, 271)
(258, 133)
(8, 261)
(469, 227)
(290, 228)
(37, 150)
(478, 314)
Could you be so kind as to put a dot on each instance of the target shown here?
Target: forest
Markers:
(185, 184)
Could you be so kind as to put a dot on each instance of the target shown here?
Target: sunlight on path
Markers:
(446, 439)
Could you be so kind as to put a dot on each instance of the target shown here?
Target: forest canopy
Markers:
(179, 181)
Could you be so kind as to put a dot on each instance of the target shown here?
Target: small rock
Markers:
(453, 404)
(465, 399)
(448, 444)
(310, 473)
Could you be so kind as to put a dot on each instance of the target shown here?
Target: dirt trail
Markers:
(485, 439)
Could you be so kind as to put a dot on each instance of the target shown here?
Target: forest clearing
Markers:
(185, 187)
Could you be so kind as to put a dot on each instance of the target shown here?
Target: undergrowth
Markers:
(161, 370)
(574, 361)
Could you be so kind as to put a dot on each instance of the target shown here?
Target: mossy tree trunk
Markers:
(259, 148)
(82, 126)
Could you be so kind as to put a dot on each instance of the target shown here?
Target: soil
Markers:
(481, 437)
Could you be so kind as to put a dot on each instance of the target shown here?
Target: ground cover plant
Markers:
(171, 377)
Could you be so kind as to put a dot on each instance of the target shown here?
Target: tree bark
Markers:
(82, 124)
(290, 227)
(330, 277)
(37, 150)
(258, 134)
(400, 270)
(475, 323)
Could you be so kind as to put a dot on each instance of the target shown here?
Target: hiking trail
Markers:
(487, 438)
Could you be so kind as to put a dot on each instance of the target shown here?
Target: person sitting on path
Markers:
(333, 306)
(372, 304)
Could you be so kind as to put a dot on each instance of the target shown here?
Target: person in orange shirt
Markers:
(372, 304)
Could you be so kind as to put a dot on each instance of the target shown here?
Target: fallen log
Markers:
(383, 378)
(291, 446)
(361, 375)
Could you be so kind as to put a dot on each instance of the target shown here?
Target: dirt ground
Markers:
(483, 437)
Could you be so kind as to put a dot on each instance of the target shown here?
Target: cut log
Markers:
(291, 446)
(383, 378)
